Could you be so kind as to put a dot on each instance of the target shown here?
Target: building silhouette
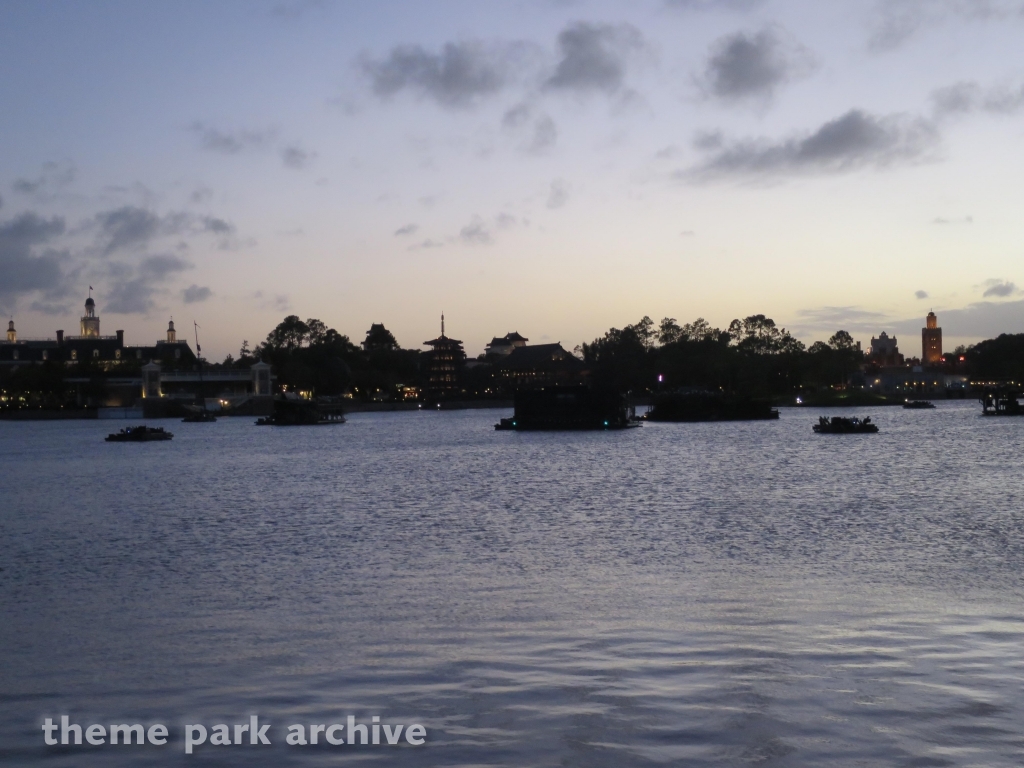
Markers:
(442, 365)
(884, 350)
(931, 341)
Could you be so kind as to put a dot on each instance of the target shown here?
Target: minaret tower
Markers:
(90, 320)
(931, 340)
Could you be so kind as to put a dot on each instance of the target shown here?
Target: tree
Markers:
(841, 340)
(760, 335)
(291, 333)
(669, 331)
(644, 330)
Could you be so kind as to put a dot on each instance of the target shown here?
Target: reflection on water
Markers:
(697, 594)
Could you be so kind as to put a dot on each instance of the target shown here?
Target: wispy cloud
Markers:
(999, 288)
(893, 22)
(852, 141)
(195, 293)
(459, 75)
(558, 194)
(52, 178)
(28, 263)
(966, 97)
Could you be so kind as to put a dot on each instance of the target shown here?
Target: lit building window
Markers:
(46, 354)
(74, 354)
(95, 353)
(117, 354)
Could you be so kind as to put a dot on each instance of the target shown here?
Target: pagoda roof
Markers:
(441, 340)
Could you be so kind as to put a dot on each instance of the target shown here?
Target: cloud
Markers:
(428, 243)
(999, 288)
(131, 227)
(52, 178)
(980, 320)
(134, 286)
(480, 232)
(558, 194)
(714, 5)
(944, 220)
(217, 226)
(745, 66)
(593, 57)
(854, 140)
(407, 229)
(229, 142)
(127, 226)
(458, 76)
(812, 322)
(296, 9)
(476, 232)
(195, 293)
(893, 22)
(920, 294)
(26, 265)
(544, 132)
(967, 96)
(295, 157)
(279, 302)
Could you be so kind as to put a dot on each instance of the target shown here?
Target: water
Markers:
(698, 595)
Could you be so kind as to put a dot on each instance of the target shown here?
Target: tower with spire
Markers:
(444, 361)
(90, 324)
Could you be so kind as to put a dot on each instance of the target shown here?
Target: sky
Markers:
(552, 167)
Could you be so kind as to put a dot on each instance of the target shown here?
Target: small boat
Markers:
(917, 404)
(140, 434)
(199, 417)
(839, 425)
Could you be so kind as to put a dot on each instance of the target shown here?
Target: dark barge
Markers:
(568, 408)
(708, 406)
(1001, 401)
(840, 425)
(140, 434)
(294, 411)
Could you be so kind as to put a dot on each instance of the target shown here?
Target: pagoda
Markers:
(444, 360)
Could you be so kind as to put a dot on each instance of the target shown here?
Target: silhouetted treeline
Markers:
(310, 356)
(754, 356)
(998, 359)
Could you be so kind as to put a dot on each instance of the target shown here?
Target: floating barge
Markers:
(568, 408)
(1001, 402)
(915, 405)
(709, 406)
(140, 434)
(840, 425)
(297, 412)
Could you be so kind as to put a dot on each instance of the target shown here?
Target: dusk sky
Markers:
(555, 168)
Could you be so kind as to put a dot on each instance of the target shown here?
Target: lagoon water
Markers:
(696, 595)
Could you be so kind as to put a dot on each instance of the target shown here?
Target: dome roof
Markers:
(89, 302)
